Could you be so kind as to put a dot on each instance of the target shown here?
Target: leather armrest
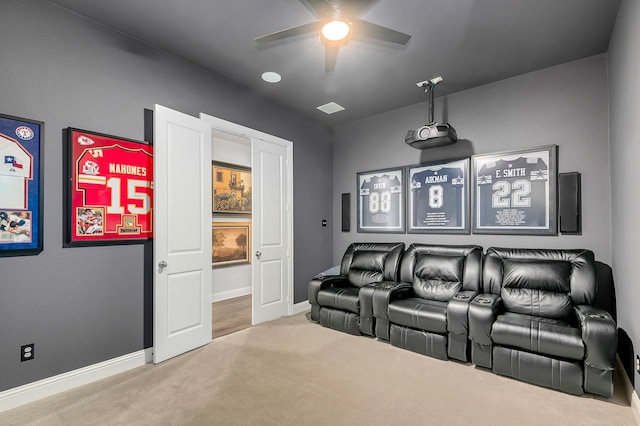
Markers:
(385, 291)
(458, 312)
(482, 314)
(317, 284)
(599, 335)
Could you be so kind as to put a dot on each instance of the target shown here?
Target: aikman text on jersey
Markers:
(436, 179)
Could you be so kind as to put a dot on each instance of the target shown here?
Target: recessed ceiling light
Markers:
(330, 108)
(271, 77)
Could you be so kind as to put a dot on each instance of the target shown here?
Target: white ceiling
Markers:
(468, 42)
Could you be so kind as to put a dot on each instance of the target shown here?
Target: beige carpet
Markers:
(294, 372)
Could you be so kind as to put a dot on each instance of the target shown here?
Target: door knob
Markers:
(258, 254)
(162, 264)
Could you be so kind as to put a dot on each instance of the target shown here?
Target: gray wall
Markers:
(564, 105)
(624, 104)
(85, 305)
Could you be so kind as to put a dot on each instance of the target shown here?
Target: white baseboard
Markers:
(230, 294)
(632, 395)
(300, 307)
(30, 392)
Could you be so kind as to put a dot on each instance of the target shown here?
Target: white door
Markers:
(272, 216)
(182, 235)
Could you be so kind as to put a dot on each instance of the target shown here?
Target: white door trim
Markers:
(239, 130)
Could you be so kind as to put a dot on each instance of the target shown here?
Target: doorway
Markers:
(271, 252)
(231, 284)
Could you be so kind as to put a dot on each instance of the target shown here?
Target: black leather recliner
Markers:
(426, 312)
(340, 302)
(537, 321)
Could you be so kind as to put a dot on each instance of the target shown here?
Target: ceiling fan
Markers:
(337, 21)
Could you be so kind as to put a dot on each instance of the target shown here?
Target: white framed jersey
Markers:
(16, 166)
(516, 192)
(381, 201)
(21, 183)
(438, 197)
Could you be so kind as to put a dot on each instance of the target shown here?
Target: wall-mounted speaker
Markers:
(570, 203)
(346, 212)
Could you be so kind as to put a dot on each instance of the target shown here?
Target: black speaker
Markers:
(346, 212)
(570, 203)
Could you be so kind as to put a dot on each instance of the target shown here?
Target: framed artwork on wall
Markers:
(21, 186)
(231, 243)
(381, 200)
(109, 194)
(438, 197)
(231, 188)
(516, 192)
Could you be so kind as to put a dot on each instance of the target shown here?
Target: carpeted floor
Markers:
(294, 372)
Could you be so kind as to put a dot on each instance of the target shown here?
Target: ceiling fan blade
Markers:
(289, 32)
(352, 8)
(369, 29)
(320, 8)
(330, 55)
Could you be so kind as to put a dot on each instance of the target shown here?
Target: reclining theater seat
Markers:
(537, 321)
(426, 312)
(338, 301)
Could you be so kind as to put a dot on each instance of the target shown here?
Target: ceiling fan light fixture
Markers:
(336, 30)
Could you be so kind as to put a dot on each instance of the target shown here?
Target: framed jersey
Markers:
(21, 192)
(516, 192)
(109, 197)
(381, 200)
(438, 197)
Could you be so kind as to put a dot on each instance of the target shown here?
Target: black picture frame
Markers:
(438, 197)
(21, 178)
(108, 197)
(381, 200)
(515, 192)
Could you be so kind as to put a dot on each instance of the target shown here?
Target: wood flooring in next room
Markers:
(231, 315)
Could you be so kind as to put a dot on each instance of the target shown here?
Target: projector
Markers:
(431, 136)
(434, 134)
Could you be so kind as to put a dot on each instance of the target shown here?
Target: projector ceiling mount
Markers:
(433, 134)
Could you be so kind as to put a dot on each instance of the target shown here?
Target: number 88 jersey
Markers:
(380, 198)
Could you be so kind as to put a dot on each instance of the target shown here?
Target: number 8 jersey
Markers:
(118, 179)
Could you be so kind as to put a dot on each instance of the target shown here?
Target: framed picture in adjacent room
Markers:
(231, 243)
(109, 194)
(21, 186)
(381, 200)
(515, 192)
(438, 197)
(231, 188)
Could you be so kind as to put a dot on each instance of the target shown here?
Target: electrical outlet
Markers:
(638, 364)
(27, 352)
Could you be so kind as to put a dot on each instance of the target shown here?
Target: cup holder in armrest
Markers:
(483, 301)
(461, 296)
(600, 316)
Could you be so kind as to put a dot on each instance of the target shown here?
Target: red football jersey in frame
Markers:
(112, 181)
